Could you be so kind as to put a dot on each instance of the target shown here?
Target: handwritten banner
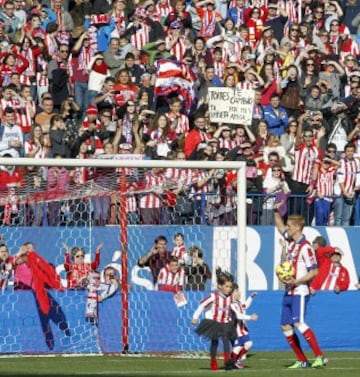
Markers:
(227, 105)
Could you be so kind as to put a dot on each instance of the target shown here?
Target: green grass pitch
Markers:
(258, 364)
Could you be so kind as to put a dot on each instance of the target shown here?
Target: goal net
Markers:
(97, 224)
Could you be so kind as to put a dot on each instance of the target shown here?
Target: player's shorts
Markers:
(294, 309)
(241, 340)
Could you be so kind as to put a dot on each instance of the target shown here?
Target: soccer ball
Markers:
(285, 271)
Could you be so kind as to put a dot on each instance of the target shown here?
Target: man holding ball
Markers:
(302, 256)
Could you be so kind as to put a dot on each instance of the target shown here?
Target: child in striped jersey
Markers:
(171, 277)
(218, 322)
(243, 343)
(179, 251)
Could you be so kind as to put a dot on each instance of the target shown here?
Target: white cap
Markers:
(9, 153)
(337, 250)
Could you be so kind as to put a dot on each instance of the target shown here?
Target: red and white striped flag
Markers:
(174, 77)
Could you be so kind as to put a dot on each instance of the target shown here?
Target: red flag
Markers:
(44, 276)
(175, 77)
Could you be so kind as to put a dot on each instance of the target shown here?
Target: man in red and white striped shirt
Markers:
(301, 255)
(324, 191)
(25, 110)
(151, 202)
(175, 41)
(219, 62)
(179, 122)
(182, 178)
(138, 29)
(163, 8)
(348, 182)
(304, 177)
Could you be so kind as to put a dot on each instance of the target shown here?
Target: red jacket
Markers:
(14, 176)
(330, 274)
(77, 273)
(193, 139)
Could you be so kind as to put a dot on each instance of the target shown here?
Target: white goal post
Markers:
(240, 167)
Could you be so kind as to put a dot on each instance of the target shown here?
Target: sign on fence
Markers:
(228, 105)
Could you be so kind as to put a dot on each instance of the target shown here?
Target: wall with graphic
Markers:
(156, 323)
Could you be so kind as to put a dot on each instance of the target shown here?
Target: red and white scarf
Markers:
(163, 10)
(59, 16)
(11, 208)
(91, 310)
(51, 44)
(119, 19)
(85, 56)
(41, 76)
(30, 70)
(93, 32)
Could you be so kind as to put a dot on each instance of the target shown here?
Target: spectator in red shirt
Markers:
(10, 175)
(332, 274)
(125, 90)
(76, 267)
(196, 136)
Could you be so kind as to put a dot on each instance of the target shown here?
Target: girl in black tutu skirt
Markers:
(218, 323)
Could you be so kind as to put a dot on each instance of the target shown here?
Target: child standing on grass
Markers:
(218, 323)
(243, 343)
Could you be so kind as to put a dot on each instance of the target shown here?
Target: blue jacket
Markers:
(51, 18)
(11, 25)
(233, 14)
(277, 123)
(103, 33)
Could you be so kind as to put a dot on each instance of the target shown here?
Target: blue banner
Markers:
(156, 324)
(219, 245)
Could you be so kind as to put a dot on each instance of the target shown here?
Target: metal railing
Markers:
(187, 211)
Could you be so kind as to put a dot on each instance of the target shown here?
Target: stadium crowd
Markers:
(83, 78)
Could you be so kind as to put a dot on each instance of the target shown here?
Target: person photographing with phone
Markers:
(157, 258)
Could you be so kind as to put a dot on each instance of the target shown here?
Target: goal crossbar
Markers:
(119, 163)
